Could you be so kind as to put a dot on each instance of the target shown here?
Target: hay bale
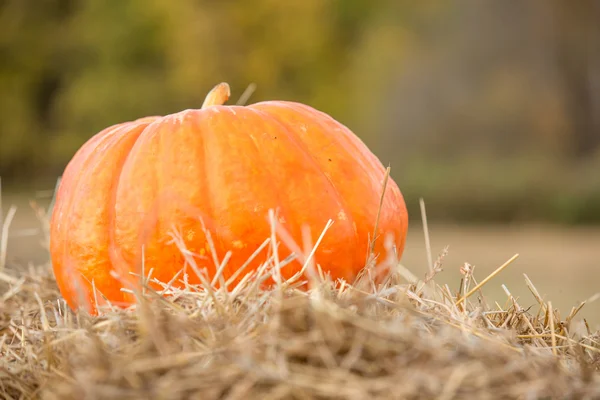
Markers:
(395, 339)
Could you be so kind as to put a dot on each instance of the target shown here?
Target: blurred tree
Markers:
(577, 43)
(473, 84)
(32, 52)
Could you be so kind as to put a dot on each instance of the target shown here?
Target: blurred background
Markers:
(489, 110)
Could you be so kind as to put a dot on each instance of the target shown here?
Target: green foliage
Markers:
(74, 67)
(520, 189)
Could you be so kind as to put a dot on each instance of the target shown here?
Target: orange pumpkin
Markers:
(220, 167)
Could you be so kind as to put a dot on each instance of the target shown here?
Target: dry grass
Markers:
(398, 338)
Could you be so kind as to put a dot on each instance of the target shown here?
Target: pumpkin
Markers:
(141, 190)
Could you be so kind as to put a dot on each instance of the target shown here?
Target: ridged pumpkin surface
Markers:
(134, 184)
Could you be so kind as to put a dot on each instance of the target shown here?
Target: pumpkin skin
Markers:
(222, 167)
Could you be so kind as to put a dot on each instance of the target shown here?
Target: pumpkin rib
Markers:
(392, 191)
(204, 131)
(349, 145)
(307, 113)
(361, 153)
(159, 182)
(105, 141)
(64, 199)
(111, 134)
(269, 177)
(117, 261)
(207, 130)
(353, 146)
(302, 147)
(150, 220)
(208, 208)
(129, 128)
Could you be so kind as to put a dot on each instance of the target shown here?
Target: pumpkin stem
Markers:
(217, 96)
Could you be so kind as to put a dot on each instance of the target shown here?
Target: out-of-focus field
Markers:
(562, 262)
